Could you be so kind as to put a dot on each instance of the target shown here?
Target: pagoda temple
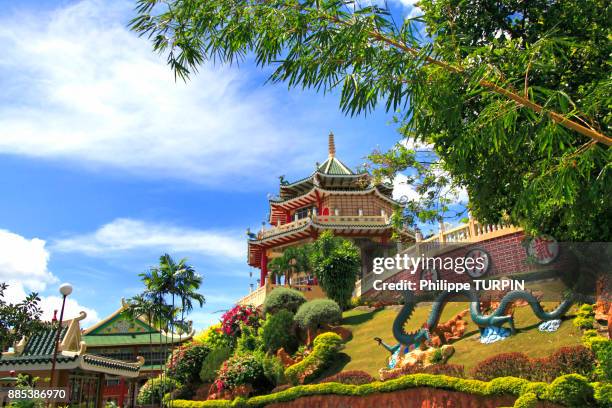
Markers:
(333, 197)
(125, 338)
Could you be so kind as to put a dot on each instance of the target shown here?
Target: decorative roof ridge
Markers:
(117, 312)
(367, 190)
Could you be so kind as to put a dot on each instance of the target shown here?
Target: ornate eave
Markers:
(36, 353)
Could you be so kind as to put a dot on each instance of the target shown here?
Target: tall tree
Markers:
(336, 263)
(513, 96)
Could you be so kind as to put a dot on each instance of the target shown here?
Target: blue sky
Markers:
(106, 162)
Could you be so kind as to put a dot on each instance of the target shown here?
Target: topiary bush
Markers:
(603, 352)
(283, 299)
(278, 331)
(571, 390)
(353, 377)
(212, 363)
(503, 365)
(311, 315)
(325, 349)
(185, 362)
(154, 390)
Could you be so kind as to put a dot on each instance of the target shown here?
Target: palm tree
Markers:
(293, 260)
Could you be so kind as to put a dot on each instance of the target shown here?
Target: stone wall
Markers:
(411, 398)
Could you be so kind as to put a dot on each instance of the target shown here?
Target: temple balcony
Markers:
(258, 296)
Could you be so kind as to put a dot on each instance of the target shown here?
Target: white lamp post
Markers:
(65, 289)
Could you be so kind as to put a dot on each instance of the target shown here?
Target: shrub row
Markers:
(325, 348)
(570, 390)
(602, 348)
(354, 377)
(451, 370)
(566, 360)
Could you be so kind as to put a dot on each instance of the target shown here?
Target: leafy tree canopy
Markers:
(18, 320)
(512, 97)
(335, 262)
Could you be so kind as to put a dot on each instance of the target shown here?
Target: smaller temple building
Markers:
(125, 338)
(81, 372)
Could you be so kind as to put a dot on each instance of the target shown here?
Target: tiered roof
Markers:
(36, 353)
(119, 329)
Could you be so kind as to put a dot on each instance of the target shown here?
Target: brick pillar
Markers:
(264, 268)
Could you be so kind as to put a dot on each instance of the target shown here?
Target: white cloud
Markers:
(402, 191)
(24, 260)
(79, 86)
(124, 234)
(24, 267)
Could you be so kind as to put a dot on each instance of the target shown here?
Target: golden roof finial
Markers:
(332, 145)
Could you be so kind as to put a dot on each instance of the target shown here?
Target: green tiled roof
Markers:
(92, 340)
(42, 343)
(334, 166)
(22, 360)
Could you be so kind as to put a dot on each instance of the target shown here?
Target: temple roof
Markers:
(119, 329)
(36, 353)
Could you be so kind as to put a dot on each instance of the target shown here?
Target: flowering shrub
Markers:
(154, 390)
(185, 361)
(353, 377)
(213, 337)
(240, 370)
(239, 314)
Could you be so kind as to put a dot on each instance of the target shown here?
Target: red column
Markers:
(264, 268)
(121, 392)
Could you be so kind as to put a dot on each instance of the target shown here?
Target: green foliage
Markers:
(249, 340)
(212, 363)
(242, 369)
(603, 394)
(316, 312)
(527, 400)
(325, 348)
(294, 259)
(501, 386)
(437, 356)
(274, 370)
(20, 319)
(461, 94)
(283, 299)
(602, 348)
(571, 390)
(336, 263)
(185, 362)
(278, 331)
(213, 337)
(585, 318)
(154, 390)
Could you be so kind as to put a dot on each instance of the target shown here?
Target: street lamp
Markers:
(65, 289)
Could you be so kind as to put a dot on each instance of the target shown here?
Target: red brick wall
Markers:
(350, 204)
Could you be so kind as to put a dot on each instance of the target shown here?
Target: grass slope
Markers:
(362, 352)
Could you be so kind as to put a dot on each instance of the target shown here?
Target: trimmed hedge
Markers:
(283, 299)
(499, 386)
(316, 312)
(325, 348)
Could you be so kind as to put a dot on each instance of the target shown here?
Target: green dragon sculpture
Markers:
(497, 318)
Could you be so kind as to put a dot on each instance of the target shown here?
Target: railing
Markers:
(325, 219)
(257, 297)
